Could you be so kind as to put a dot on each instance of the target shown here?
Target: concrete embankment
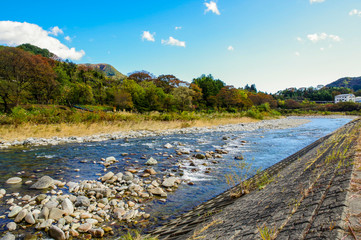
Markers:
(305, 198)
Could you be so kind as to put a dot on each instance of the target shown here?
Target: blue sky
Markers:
(273, 43)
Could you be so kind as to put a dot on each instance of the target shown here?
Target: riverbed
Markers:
(258, 147)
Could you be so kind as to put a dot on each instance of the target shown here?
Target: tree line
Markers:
(32, 76)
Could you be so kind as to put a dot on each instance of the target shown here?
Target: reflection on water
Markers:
(262, 148)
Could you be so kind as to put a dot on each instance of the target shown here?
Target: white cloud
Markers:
(355, 12)
(299, 39)
(55, 31)
(16, 33)
(323, 36)
(178, 28)
(322, 49)
(297, 54)
(174, 42)
(148, 36)
(230, 48)
(316, 1)
(68, 38)
(212, 6)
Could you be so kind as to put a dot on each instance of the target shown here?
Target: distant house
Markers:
(345, 98)
(358, 99)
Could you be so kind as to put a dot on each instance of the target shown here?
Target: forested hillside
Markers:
(353, 83)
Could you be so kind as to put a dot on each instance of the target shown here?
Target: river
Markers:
(260, 149)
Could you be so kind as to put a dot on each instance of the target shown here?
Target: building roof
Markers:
(345, 95)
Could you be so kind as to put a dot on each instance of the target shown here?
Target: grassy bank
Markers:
(50, 121)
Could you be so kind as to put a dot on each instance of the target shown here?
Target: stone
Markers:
(151, 171)
(98, 232)
(2, 191)
(85, 227)
(8, 236)
(56, 214)
(151, 161)
(43, 183)
(107, 229)
(15, 211)
(128, 176)
(21, 215)
(51, 204)
(67, 206)
(158, 191)
(45, 213)
(14, 180)
(56, 233)
(107, 176)
(46, 224)
(82, 201)
(200, 156)
(168, 145)
(119, 176)
(11, 226)
(92, 221)
(110, 159)
(73, 233)
(29, 218)
(26, 198)
(40, 198)
(86, 215)
(131, 204)
(169, 182)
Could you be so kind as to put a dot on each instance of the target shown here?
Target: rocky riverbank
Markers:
(288, 122)
(90, 208)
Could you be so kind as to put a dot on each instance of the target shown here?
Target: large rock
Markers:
(14, 180)
(169, 182)
(8, 236)
(56, 233)
(82, 201)
(51, 204)
(151, 161)
(107, 176)
(158, 191)
(15, 211)
(21, 215)
(110, 160)
(29, 218)
(11, 226)
(128, 176)
(85, 227)
(43, 183)
(168, 145)
(56, 214)
(67, 206)
(45, 213)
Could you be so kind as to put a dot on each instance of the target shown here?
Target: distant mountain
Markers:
(108, 69)
(347, 82)
(38, 51)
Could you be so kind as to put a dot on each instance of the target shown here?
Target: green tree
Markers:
(183, 97)
(210, 87)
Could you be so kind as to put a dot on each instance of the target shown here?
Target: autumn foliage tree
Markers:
(23, 74)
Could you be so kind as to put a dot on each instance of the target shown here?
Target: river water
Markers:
(260, 148)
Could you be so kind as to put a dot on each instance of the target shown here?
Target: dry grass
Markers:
(24, 131)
